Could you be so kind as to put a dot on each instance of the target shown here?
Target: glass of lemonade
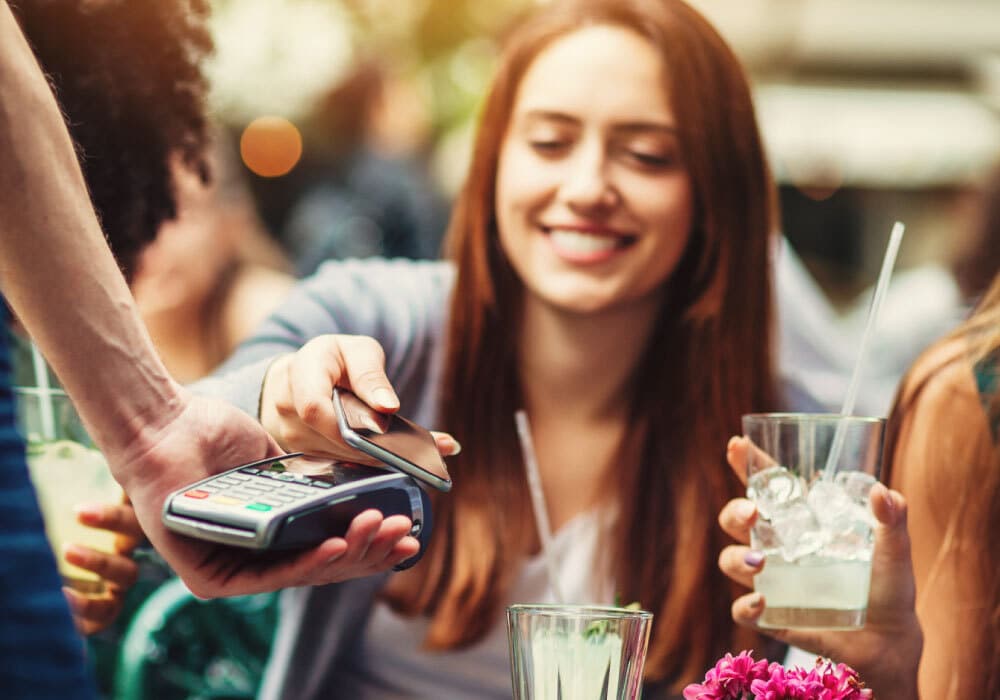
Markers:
(815, 527)
(65, 470)
(577, 652)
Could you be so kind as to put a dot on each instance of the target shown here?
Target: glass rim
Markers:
(573, 610)
(792, 418)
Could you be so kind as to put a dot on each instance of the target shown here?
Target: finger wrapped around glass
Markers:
(810, 476)
(65, 470)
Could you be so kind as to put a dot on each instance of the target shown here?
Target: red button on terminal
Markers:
(197, 493)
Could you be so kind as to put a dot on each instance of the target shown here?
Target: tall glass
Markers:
(815, 528)
(567, 652)
(65, 470)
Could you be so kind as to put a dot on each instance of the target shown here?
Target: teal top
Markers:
(987, 373)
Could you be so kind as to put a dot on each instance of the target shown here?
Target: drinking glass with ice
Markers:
(814, 522)
(576, 652)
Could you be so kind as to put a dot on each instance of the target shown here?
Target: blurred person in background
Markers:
(610, 273)
(923, 303)
(367, 191)
(212, 274)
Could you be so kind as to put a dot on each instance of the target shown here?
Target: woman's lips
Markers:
(586, 246)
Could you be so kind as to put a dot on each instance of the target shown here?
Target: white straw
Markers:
(538, 502)
(884, 275)
(47, 414)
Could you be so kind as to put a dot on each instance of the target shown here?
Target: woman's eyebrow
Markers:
(542, 115)
(646, 127)
(628, 127)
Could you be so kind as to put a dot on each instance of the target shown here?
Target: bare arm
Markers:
(943, 441)
(55, 267)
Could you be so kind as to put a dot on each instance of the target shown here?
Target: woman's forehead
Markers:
(600, 71)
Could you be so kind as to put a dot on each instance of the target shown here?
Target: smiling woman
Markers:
(609, 274)
(594, 208)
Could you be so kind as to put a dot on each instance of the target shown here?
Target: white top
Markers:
(402, 668)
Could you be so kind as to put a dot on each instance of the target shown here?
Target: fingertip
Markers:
(888, 506)
(75, 553)
(386, 399)
(89, 513)
(404, 549)
(746, 610)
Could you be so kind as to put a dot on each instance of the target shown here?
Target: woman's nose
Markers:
(588, 184)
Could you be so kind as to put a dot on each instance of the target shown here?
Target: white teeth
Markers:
(576, 242)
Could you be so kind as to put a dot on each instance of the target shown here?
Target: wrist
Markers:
(142, 418)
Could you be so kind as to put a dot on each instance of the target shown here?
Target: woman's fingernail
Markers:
(755, 601)
(89, 511)
(386, 398)
(455, 448)
(334, 558)
(753, 558)
(74, 552)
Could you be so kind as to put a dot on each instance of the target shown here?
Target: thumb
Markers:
(364, 362)
(889, 508)
(892, 541)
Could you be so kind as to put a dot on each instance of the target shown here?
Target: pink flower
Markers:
(729, 680)
(742, 678)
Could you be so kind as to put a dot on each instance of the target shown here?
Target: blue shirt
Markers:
(41, 654)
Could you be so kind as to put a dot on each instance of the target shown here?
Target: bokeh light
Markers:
(270, 146)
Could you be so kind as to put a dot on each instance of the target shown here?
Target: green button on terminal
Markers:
(258, 506)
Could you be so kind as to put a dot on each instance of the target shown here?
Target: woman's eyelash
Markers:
(547, 144)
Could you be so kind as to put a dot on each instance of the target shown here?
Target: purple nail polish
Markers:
(753, 558)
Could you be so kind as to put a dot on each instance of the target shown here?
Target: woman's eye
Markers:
(548, 146)
(650, 160)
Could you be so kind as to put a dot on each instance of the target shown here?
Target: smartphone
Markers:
(391, 439)
(294, 501)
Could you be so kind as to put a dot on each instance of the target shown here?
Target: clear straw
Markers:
(46, 411)
(884, 275)
(538, 502)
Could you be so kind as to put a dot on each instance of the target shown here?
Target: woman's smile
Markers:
(586, 244)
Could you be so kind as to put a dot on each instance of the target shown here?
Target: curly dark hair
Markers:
(126, 75)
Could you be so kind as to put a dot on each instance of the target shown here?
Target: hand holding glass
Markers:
(814, 525)
(65, 471)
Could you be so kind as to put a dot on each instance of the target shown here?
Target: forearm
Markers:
(56, 270)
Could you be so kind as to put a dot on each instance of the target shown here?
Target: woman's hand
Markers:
(117, 570)
(886, 652)
(296, 405)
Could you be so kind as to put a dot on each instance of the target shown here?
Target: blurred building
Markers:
(872, 112)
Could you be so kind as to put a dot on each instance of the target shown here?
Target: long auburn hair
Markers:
(708, 362)
(977, 509)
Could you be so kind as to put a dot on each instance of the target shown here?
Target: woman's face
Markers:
(593, 205)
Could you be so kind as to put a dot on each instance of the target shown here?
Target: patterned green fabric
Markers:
(987, 372)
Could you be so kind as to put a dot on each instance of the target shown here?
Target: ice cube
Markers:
(854, 542)
(834, 507)
(857, 485)
(798, 529)
(774, 488)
